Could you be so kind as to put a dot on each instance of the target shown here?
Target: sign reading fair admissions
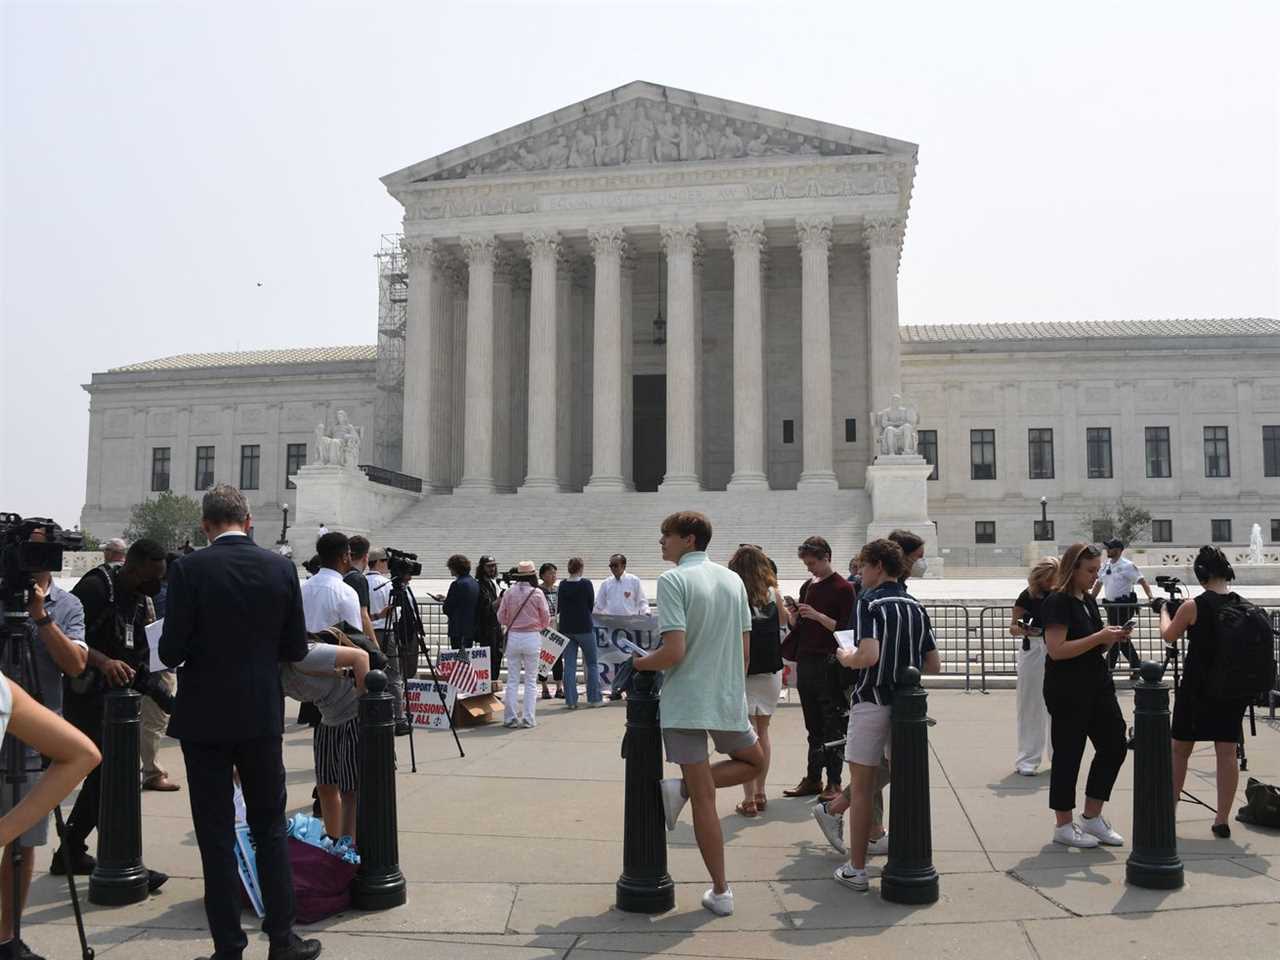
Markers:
(422, 702)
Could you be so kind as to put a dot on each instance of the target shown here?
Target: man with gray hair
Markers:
(227, 643)
(113, 552)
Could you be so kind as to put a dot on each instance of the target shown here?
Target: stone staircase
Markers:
(554, 527)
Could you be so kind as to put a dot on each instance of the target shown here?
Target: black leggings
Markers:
(822, 717)
(1083, 708)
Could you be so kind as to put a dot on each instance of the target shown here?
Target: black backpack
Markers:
(1244, 663)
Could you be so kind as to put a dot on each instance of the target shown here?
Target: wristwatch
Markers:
(44, 621)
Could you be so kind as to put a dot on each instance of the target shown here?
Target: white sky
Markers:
(1099, 161)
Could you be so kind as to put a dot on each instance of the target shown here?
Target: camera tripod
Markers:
(19, 659)
(410, 623)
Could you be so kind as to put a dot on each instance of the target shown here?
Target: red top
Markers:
(833, 597)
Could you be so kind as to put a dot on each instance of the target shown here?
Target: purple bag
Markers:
(321, 881)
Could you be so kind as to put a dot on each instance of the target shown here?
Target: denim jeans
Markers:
(586, 642)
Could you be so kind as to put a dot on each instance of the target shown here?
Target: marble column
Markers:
(419, 356)
(477, 461)
(567, 347)
(504, 357)
(746, 238)
(628, 377)
(518, 441)
(681, 246)
(182, 469)
(439, 428)
(544, 374)
(226, 469)
(608, 245)
(882, 237)
(455, 428)
(815, 354)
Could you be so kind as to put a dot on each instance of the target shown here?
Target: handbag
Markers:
(1262, 805)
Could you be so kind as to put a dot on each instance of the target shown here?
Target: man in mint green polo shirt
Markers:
(705, 622)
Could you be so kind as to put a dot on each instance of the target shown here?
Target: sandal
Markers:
(747, 808)
(762, 802)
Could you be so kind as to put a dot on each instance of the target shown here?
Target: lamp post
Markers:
(284, 528)
(1042, 526)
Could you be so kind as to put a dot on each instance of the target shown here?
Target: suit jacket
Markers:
(234, 612)
(460, 607)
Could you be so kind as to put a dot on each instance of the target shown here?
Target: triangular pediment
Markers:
(645, 123)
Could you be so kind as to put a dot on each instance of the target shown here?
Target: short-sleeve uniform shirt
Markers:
(1119, 577)
(707, 689)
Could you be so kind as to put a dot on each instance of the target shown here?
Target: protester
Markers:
(1081, 698)
(1117, 579)
(892, 632)
(826, 601)
(547, 577)
(461, 605)
(576, 597)
(523, 612)
(705, 622)
(228, 643)
(913, 562)
(115, 601)
(620, 595)
(488, 631)
(764, 665)
(1027, 622)
(54, 631)
(1197, 715)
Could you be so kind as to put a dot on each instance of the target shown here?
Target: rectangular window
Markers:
(928, 443)
(1220, 531)
(159, 469)
(788, 431)
(250, 457)
(1158, 462)
(1275, 531)
(1217, 458)
(982, 454)
(1043, 530)
(294, 459)
(984, 531)
(1098, 445)
(850, 430)
(204, 468)
(1040, 453)
(1271, 451)
(1162, 531)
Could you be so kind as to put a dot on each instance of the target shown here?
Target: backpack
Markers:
(1244, 664)
(766, 633)
(1262, 805)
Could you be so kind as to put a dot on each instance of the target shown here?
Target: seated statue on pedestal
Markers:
(343, 448)
(895, 428)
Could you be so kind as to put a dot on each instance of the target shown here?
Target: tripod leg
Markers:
(86, 951)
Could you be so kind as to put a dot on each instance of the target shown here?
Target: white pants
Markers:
(1033, 716)
(522, 652)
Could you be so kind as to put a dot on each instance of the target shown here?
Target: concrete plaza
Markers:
(513, 852)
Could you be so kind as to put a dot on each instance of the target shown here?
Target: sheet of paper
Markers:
(153, 641)
(847, 639)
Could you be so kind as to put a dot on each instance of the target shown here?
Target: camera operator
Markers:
(115, 614)
(380, 603)
(1117, 579)
(1198, 716)
(55, 633)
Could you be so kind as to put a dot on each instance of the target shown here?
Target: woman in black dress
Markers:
(1081, 699)
(1197, 717)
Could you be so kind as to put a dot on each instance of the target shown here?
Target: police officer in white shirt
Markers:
(1116, 580)
(326, 600)
(621, 595)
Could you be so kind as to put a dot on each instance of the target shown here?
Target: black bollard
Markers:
(645, 885)
(909, 876)
(120, 877)
(1154, 862)
(379, 884)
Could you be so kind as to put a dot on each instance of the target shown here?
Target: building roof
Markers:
(1091, 329)
(254, 358)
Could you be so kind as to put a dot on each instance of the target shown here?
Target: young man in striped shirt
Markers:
(893, 632)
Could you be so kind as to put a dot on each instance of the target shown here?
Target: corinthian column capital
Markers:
(542, 243)
(607, 241)
(681, 238)
(746, 236)
(480, 248)
(883, 231)
(814, 233)
(419, 251)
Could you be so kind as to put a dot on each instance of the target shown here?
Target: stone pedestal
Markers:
(345, 500)
(1038, 550)
(899, 492)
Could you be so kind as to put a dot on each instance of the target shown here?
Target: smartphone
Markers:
(790, 602)
(1130, 624)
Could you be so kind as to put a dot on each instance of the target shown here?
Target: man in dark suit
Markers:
(234, 612)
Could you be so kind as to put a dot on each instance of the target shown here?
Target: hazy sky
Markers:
(1077, 161)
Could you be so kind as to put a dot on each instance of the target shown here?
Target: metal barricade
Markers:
(997, 650)
(951, 632)
(435, 626)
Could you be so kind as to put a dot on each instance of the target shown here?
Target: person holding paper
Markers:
(705, 622)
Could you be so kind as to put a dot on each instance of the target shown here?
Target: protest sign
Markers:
(247, 865)
(422, 702)
(553, 645)
(475, 674)
(615, 633)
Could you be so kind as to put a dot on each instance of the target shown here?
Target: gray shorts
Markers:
(38, 835)
(690, 746)
(868, 734)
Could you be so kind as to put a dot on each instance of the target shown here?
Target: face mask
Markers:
(919, 568)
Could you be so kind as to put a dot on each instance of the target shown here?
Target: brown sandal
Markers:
(762, 802)
(747, 808)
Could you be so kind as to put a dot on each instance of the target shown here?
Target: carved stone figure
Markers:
(895, 428)
(640, 138)
(731, 144)
(583, 151)
(759, 146)
(343, 448)
(1255, 544)
(668, 143)
(613, 145)
(557, 155)
(699, 149)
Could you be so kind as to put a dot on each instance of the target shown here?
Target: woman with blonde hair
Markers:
(1081, 698)
(1033, 717)
(764, 664)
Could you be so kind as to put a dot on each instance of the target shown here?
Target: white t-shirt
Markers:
(621, 596)
(328, 602)
(1118, 577)
(6, 704)
(379, 592)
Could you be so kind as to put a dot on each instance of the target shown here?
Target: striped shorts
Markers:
(337, 755)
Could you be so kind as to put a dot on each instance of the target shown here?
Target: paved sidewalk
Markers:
(513, 851)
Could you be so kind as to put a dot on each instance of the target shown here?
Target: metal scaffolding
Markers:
(393, 295)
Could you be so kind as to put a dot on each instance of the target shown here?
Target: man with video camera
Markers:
(115, 615)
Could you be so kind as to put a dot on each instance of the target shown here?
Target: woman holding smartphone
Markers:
(1081, 698)
(1028, 623)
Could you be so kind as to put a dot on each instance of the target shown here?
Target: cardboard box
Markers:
(476, 711)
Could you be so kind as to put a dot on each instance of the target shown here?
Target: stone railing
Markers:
(1162, 555)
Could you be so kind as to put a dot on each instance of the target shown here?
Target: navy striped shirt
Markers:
(900, 624)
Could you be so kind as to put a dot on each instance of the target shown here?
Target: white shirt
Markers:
(379, 590)
(328, 602)
(621, 596)
(1118, 577)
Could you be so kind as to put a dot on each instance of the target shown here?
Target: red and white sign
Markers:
(422, 702)
(553, 645)
(475, 674)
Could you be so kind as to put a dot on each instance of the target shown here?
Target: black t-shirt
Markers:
(114, 621)
(358, 582)
(1032, 608)
(1082, 619)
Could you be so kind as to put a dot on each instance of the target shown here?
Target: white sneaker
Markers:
(721, 904)
(673, 801)
(528, 723)
(879, 847)
(832, 828)
(1070, 835)
(850, 876)
(1026, 771)
(1099, 828)
(511, 724)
